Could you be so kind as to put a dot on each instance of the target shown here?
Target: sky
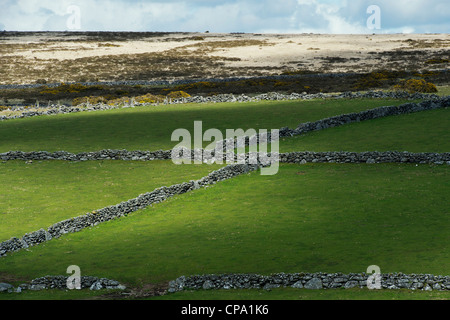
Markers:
(224, 16)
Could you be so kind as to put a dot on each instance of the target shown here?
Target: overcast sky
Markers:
(252, 16)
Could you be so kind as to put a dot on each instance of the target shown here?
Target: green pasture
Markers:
(426, 131)
(39, 194)
(151, 127)
(307, 218)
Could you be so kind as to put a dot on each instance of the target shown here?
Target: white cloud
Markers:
(318, 16)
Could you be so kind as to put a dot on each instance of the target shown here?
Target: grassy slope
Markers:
(305, 218)
(417, 132)
(150, 128)
(313, 218)
(34, 196)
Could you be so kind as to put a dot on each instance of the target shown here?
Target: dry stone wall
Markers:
(317, 280)
(60, 282)
(312, 281)
(288, 157)
(220, 98)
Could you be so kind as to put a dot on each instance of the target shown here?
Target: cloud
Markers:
(282, 16)
(323, 17)
(403, 15)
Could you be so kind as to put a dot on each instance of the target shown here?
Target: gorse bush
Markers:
(195, 85)
(376, 79)
(149, 98)
(178, 95)
(386, 78)
(70, 88)
(416, 85)
(254, 83)
(119, 101)
(64, 88)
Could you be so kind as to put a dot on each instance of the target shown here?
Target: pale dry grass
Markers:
(59, 57)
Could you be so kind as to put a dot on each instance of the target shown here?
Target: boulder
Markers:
(298, 285)
(314, 284)
(6, 287)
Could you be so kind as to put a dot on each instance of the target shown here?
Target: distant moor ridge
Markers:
(53, 57)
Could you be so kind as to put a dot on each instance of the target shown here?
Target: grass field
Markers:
(306, 218)
(34, 196)
(416, 132)
(150, 128)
